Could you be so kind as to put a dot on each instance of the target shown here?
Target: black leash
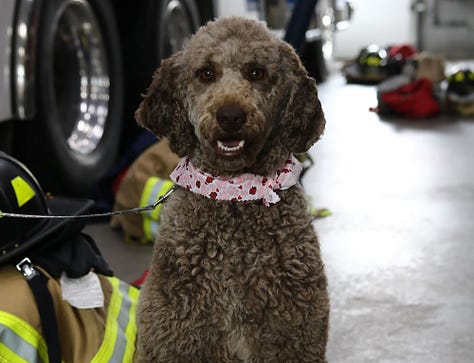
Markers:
(38, 283)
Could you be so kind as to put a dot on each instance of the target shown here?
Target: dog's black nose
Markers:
(231, 117)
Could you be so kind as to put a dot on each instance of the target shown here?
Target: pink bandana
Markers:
(240, 188)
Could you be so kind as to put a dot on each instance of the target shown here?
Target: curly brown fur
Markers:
(234, 281)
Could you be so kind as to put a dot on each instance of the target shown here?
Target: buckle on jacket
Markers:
(27, 269)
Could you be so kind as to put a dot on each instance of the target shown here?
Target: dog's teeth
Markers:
(225, 146)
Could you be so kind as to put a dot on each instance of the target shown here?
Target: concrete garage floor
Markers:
(399, 247)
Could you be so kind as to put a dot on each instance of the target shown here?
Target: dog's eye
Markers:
(256, 74)
(206, 74)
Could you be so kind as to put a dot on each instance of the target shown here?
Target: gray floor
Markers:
(399, 247)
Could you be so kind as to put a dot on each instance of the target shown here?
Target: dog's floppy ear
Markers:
(302, 119)
(162, 110)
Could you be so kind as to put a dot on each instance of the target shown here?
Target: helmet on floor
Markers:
(374, 63)
(21, 193)
(461, 82)
(460, 92)
(372, 59)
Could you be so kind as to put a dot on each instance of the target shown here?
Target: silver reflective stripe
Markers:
(154, 227)
(122, 321)
(154, 192)
(19, 346)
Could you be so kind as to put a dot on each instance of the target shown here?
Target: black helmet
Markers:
(372, 59)
(461, 82)
(460, 92)
(21, 193)
(384, 62)
(373, 65)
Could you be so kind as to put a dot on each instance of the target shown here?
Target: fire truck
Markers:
(73, 72)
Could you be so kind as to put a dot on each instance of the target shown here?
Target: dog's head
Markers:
(235, 99)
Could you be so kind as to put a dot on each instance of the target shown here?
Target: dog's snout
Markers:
(231, 117)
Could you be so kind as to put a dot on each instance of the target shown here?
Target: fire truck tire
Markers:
(75, 135)
(161, 29)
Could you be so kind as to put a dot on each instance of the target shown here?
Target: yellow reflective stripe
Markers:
(147, 190)
(131, 330)
(373, 61)
(107, 347)
(150, 183)
(24, 342)
(124, 342)
(154, 187)
(8, 356)
(116, 337)
(166, 185)
(459, 77)
(23, 191)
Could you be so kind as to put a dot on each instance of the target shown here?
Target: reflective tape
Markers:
(120, 331)
(20, 342)
(154, 188)
(23, 191)
(131, 329)
(373, 61)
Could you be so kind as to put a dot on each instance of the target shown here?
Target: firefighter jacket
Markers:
(101, 334)
(145, 181)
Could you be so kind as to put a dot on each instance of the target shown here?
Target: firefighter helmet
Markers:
(460, 92)
(461, 83)
(21, 193)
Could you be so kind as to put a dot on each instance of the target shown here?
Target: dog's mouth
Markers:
(231, 147)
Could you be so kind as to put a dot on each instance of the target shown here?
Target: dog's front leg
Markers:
(285, 314)
(171, 316)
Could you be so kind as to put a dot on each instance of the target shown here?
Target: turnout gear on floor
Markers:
(144, 182)
(413, 100)
(415, 92)
(61, 303)
(431, 66)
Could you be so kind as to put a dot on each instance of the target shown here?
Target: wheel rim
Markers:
(178, 25)
(81, 77)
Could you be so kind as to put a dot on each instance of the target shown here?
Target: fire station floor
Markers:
(399, 245)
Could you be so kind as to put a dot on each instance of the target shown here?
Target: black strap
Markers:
(38, 284)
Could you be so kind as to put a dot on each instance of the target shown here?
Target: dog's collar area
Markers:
(243, 187)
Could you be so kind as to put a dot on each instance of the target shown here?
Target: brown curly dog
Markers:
(232, 280)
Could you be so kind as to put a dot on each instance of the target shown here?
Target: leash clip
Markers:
(27, 269)
(162, 198)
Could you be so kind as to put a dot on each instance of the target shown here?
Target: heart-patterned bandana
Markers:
(243, 187)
